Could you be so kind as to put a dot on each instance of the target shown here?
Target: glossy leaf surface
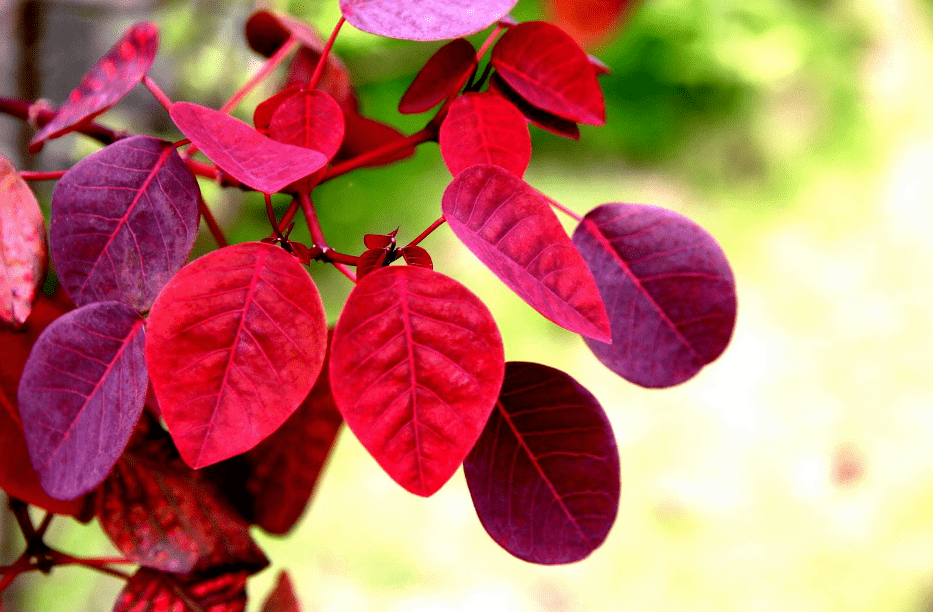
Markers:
(424, 19)
(511, 228)
(551, 71)
(236, 340)
(111, 78)
(482, 128)
(22, 245)
(668, 287)
(153, 591)
(242, 152)
(123, 222)
(282, 597)
(544, 476)
(541, 118)
(310, 119)
(80, 395)
(443, 75)
(416, 365)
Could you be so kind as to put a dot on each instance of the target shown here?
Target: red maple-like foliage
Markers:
(180, 402)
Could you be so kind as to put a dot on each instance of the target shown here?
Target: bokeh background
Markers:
(795, 473)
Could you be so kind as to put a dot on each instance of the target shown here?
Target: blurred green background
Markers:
(796, 472)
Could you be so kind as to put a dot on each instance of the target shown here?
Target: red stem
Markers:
(488, 42)
(564, 210)
(157, 93)
(314, 226)
(271, 214)
(427, 232)
(270, 64)
(425, 135)
(345, 270)
(212, 224)
(319, 69)
(99, 565)
(21, 110)
(42, 176)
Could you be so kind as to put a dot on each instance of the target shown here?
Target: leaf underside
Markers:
(22, 245)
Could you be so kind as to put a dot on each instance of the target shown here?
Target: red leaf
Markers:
(310, 119)
(416, 365)
(511, 228)
(153, 591)
(417, 256)
(282, 597)
(541, 118)
(442, 76)
(482, 128)
(551, 71)
(236, 339)
(245, 154)
(80, 395)
(364, 135)
(262, 116)
(123, 222)
(335, 79)
(544, 476)
(267, 30)
(22, 245)
(424, 19)
(668, 286)
(589, 22)
(105, 84)
(380, 241)
(162, 514)
(370, 260)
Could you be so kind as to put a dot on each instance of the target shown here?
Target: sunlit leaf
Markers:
(482, 128)
(22, 245)
(424, 19)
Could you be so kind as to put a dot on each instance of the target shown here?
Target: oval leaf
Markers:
(668, 286)
(541, 118)
(511, 228)
(111, 78)
(424, 19)
(236, 340)
(482, 128)
(242, 152)
(335, 78)
(153, 591)
(81, 394)
(262, 116)
(551, 71)
(416, 365)
(22, 245)
(544, 476)
(442, 76)
(123, 222)
(310, 119)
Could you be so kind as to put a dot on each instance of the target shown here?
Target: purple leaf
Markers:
(424, 19)
(667, 286)
(123, 222)
(22, 245)
(544, 475)
(81, 394)
(245, 154)
(511, 228)
(483, 128)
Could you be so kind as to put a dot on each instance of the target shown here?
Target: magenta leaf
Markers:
(551, 71)
(511, 228)
(236, 340)
(153, 591)
(424, 19)
(667, 286)
(541, 118)
(544, 475)
(111, 78)
(442, 76)
(123, 222)
(416, 365)
(482, 128)
(282, 597)
(245, 154)
(310, 119)
(22, 245)
(81, 394)
(262, 116)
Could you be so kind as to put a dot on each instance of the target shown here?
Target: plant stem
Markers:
(270, 64)
(319, 69)
(212, 224)
(157, 93)
(488, 42)
(271, 214)
(314, 226)
(42, 176)
(564, 210)
(99, 565)
(21, 110)
(427, 232)
(425, 135)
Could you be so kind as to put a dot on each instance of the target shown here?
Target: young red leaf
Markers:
(541, 118)
(111, 78)
(236, 340)
(668, 286)
(442, 76)
(380, 241)
(81, 394)
(162, 514)
(245, 154)
(370, 260)
(589, 22)
(416, 364)
(262, 116)
(424, 19)
(511, 228)
(22, 245)
(364, 135)
(551, 71)
(282, 597)
(544, 475)
(153, 591)
(482, 128)
(416, 256)
(311, 119)
(123, 222)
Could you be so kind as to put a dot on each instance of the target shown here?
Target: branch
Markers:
(21, 110)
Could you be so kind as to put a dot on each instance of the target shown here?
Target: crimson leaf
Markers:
(267, 30)
(544, 476)
(668, 287)
(364, 135)
(81, 394)
(310, 119)
(153, 591)
(416, 365)
(424, 19)
(22, 245)
(541, 118)
(123, 222)
(549, 69)
(105, 84)
(282, 597)
(236, 340)
(262, 116)
(511, 228)
(443, 75)
(334, 79)
(589, 22)
(482, 128)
